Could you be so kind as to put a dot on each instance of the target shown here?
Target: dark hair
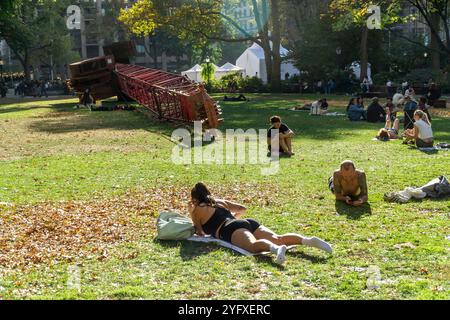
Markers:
(275, 119)
(423, 100)
(350, 103)
(383, 135)
(201, 193)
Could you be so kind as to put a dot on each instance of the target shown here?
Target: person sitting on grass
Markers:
(375, 112)
(349, 184)
(390, 108)
(391, 129)
(355, 111)
(409, 108)
(87, 100)
(422, 133)
(319, 107)
(284, 136)
(221, 220)
(424, 107)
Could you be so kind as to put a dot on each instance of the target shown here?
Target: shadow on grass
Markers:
(17, 109)
(353, 213)
(311, 258)
(65, 119)
(189, 250)
(254, 114)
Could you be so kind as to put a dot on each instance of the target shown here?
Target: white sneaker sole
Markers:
(281, 255)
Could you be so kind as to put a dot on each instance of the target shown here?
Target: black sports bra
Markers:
(217, 219)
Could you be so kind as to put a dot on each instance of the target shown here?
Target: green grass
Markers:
(51, 153)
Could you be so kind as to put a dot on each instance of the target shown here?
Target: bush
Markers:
(422, 76)
(253, 84)
(382, 78)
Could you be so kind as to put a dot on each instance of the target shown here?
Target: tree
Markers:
(202, 21)
(32, 27)
(436, 14)
(320, 52)
(355, 13)
(208, 71)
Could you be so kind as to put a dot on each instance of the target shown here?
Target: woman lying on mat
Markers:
(390, 130)
(221, 219)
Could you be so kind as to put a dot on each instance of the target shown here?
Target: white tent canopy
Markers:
(195, 73)
(253, 62)
(232, 68)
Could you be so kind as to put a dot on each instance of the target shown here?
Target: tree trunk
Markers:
(434, 44)
(268, 60)
(276, 44)
(364, 63)
(155, 53)
(26, 65)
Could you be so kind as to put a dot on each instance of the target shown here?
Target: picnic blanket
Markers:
(228, 245)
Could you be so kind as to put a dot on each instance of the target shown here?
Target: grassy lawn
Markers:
(80, 190)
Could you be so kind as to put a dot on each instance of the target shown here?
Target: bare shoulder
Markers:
(337, 173)
(361, 172)
(222, 203)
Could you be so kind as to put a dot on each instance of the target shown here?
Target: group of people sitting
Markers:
(222, 219)
(417, 120)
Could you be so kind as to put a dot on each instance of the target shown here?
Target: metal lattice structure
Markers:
(167, 95)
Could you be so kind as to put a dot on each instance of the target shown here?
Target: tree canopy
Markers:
(203, 21)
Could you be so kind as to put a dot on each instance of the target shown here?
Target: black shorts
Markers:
(232, 225)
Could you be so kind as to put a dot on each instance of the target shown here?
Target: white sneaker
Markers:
(281, 255)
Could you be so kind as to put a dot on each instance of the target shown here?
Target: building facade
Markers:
(94, 33)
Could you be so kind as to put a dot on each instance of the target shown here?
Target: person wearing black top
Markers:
(375, 112)
(433, 94)
(221, 219)
(284, 135)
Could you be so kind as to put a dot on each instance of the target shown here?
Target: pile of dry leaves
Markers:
(73, 231)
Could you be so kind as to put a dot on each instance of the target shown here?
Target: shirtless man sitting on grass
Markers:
(349, 184)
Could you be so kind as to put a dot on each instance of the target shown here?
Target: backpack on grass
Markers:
(174, 226)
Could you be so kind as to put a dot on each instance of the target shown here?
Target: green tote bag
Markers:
(174, 226)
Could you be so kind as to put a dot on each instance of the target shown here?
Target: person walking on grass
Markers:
(221, 219)
(284, 136)
(349, 184)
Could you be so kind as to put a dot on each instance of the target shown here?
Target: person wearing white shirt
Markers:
(422, 133)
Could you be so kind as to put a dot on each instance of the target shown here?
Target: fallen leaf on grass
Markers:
(52, 232)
